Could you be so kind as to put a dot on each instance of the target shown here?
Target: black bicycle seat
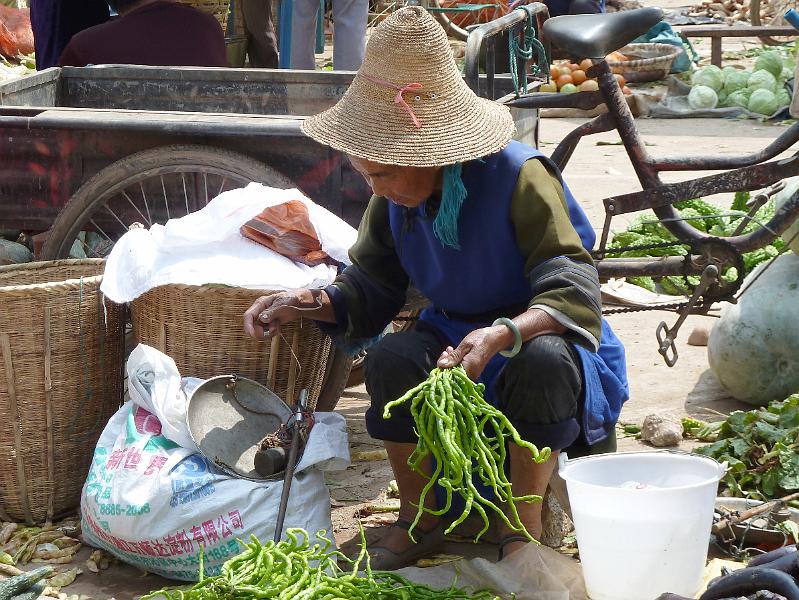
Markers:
(595, 36)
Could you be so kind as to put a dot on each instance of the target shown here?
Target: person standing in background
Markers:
(260, 30)
(349, 33)
(54, 22)
(150, 32)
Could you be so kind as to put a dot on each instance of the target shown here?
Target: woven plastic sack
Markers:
(153, 503)
(16, 34)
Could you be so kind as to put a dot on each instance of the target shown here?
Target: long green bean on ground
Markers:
(466, 436)
(293, 569)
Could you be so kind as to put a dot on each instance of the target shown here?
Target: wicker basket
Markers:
(647, 62)
(218, 8)
(201, 329)
(61, 354)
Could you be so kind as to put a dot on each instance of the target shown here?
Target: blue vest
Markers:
(487, 274)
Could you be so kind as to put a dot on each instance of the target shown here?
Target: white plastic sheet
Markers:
(205, 247)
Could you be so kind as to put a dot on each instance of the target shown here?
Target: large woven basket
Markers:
(61, 353)
(202, 329)
(646, 61)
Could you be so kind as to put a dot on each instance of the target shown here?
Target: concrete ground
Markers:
(595, 172)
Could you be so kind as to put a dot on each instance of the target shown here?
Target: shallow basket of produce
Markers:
(201, 329)
(643, 62)
(61, 353)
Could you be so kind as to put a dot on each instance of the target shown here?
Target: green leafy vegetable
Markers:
(710, 76)
(761, 448)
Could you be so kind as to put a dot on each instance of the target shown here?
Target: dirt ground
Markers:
(688, 388)
(595, 172)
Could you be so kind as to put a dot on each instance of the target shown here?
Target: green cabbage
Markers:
(710, 76)
(702, 96)
(786, 74)
(762, 80)
(739, 98)
(763, 102)
(722, 97)
(736, 80)
(770, 61)
(782, 97)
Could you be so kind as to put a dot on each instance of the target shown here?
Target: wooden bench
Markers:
(717, 32)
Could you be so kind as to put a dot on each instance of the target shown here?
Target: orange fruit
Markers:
(586, 64)
(564, 70)
(620, 79)
(574, 66)
(589, 85)
(578, 77)
(554, 72)
(548, 87)
(563, 80)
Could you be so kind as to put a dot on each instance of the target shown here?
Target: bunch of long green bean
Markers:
(293, 569)
(466, 436)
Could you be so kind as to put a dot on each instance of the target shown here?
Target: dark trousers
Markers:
(261, 38)
(574, 7)
(54, 22)
(539, 389)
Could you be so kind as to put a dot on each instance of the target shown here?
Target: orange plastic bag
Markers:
(16, 34)
(287, 229)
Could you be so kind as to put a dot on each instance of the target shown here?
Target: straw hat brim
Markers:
(470, 128)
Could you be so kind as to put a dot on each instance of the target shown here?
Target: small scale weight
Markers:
(269, 461)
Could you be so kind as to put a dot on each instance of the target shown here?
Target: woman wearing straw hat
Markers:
(485, 228)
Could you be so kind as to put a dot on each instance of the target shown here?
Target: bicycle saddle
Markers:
(595, 36)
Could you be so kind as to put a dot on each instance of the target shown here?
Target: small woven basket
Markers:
(61, 355)
(202, 329)
(218, 8)
(647, 61)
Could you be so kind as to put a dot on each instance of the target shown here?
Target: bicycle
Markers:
(595, 36)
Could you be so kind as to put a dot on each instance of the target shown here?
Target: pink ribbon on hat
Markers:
(399, 98)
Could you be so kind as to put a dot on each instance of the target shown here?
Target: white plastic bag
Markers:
(153, 503)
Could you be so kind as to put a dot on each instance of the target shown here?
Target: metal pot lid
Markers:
(228, 416)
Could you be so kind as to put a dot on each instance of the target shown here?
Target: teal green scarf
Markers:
(445, 226)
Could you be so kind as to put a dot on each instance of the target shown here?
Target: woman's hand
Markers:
(268, 313)
(476, 349)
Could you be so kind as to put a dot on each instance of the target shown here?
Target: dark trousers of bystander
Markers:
(54, 22)
(260, 29)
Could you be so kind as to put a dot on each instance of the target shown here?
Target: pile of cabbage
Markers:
(761, 91)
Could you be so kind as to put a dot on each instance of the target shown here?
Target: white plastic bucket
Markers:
(638, 542)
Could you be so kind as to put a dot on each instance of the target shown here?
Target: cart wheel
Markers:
(772, 15)
(149, 187)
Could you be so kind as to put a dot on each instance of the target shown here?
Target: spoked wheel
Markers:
(152, 187)
(149, 187)
(770, 12)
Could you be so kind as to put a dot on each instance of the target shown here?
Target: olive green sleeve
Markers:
(368, 294)
(562, 275)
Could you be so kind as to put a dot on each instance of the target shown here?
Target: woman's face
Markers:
(406, 186)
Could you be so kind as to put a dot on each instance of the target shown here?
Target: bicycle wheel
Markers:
(149, 187)
(770, 12)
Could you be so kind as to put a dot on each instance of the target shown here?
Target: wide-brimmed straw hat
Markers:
(409, 105)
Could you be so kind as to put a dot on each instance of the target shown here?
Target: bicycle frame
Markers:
(742, 173)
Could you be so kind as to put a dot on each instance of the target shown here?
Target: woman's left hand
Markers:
(476, 349)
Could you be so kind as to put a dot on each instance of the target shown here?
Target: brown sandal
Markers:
(510, 539)
(383, 559)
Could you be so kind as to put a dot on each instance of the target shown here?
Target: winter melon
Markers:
(754, 347)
